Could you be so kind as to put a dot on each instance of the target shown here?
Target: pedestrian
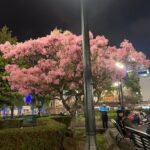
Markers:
(104, 116)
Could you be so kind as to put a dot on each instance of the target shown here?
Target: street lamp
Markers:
(88, 87)
(120, 65)
(117, 85)
(121, 96)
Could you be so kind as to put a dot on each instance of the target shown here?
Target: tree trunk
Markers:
(98, 97)
(71, 107)
(39, 111)
(42, 107)
(19, 110)
(12, 111)
(4, 111)
(72, 111)
(32, 110)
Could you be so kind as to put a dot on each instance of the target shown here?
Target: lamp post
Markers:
(88, 95)
(117, 86)
(121, 97)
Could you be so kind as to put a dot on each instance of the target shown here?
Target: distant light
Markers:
(28, 99)
(144, 75)
(129, 71)
(120, 65)
(116, 84)
(146, 107)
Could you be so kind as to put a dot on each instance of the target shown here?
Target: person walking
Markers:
(104, 116)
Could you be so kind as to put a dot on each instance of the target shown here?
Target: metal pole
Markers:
(88, 95)
(122, 97)
(119, 97)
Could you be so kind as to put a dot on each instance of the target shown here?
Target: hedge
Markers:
(48, 135)
(10, 123)
(62, 119)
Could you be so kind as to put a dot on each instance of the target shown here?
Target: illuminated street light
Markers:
(88, 86)
(121, 97)
(120, 65)
(116, 84)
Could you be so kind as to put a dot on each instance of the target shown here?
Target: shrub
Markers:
(48, 136)
(112, 115)
(101, 142)
(62, 119)
(10, 123)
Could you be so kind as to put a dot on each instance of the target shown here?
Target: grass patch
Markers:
(77, 142)
(101, 142)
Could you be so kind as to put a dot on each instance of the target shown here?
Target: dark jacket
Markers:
(122, 122)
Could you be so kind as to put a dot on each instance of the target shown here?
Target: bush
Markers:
(112, 115)
(101, 142)
(10, 123)
(62, 119)
(46, 136)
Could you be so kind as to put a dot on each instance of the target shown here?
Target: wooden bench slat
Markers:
(147, 146)
(145, 139)
(139, 143)
(140, 139)
(137, 137)
(147, 142)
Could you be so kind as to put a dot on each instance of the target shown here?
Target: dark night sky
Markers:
(115, 19)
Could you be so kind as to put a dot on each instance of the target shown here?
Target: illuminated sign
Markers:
(28, 99)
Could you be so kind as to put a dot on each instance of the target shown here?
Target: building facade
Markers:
(145, 84)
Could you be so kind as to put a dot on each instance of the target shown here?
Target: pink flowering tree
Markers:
(49, 65)
(104, 59)
(133, 61)
(52, 65)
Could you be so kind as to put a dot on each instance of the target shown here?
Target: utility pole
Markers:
(88, 87)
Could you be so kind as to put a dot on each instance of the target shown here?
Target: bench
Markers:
(120, 134)
(141, 139)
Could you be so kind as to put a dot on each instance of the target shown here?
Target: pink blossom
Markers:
(57, 61)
